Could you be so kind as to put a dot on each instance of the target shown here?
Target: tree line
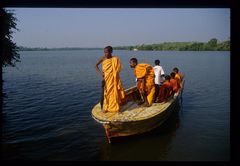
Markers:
(211, 45)
(21, 48)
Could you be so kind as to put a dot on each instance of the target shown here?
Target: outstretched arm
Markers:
(98, 63)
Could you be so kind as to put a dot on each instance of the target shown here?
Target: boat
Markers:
(133, 119)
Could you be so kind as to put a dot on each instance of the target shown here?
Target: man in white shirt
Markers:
(159, 77)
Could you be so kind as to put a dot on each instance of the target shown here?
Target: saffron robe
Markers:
(165, 92)
(175, 85)
(113, 90)
(178, 78)
(181, 75)
(146, 72)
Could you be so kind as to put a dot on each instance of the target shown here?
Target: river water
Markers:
(47, 111)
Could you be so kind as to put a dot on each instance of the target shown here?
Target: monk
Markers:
(175, 83)
(178, 74)
(165, 91)
(145, 81)
(178, 77)
(113, 91)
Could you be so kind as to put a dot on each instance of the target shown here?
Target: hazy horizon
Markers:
(96, 28)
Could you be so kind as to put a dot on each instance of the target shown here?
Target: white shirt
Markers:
(158, 71)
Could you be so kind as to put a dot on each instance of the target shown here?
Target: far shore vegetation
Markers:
(211, 45)
(21, 48)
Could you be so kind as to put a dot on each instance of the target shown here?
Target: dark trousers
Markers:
(157, 87)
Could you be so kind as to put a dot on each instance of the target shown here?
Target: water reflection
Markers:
(47, 112)
(157, 142)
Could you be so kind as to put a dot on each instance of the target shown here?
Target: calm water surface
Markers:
(50, 94)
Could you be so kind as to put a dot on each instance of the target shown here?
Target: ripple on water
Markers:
(47, 114)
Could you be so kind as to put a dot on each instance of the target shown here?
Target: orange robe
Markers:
(165, 92)
(181, 75)
(175, 85)
(113, 89)
(146, 72)
(178, 78)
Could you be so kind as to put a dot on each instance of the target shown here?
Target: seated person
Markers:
(175, 83)
(165, 91)
(178, 77)
(178, 74)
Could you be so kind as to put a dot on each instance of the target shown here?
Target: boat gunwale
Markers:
(139, 119)
(171, 99)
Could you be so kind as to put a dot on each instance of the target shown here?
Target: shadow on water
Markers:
(153, 145)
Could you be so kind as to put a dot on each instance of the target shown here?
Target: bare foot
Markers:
(146, 105)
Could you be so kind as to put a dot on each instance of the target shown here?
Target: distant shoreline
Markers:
(54, 49)
(211, 45)
(114, 49)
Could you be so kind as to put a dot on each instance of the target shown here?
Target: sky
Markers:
(99, 27)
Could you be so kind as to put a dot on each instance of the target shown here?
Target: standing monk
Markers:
(113, 92)
(145, 80)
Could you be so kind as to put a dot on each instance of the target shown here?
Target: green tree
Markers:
(212, 43)
(9, 51)
(131, 48)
